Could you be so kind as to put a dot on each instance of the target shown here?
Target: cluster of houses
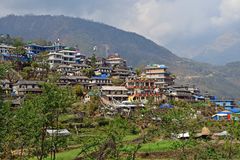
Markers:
(231, 110)
(154, 82)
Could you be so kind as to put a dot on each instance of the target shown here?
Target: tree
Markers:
(6, 130)
(117, 82)
(55, 101)
(79, 91)
(6, 72)
(18, 42)
(231, 146)
(20, 50)
(93, 61)
(138, 71)
(110, 146)
(42, 68)
(150, 101)
(89, 72)
(4, 69)
(27, 72)
(30, 123)
(180, 120)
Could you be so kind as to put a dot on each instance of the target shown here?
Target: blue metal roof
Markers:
(163, 67)
(101, 76)
(224, 112)
(166, 105)
(234, 110)
(222, 100)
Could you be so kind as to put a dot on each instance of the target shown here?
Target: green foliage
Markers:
(20, 50)
(102, 122)
(93, 105)
(209, 152)
(31, 127)
(30, 122)
(134, 130)
(67, 155)
(89, 72)
(79, 90)
(53, 77)
(14, 41)
(4, 69)
(162, 145)
(117, 82)
(18, 43)
(93, 61)
(231, 147)
(150, 101)
(180, 120)
(115, 134)
(6, 131)
(26, 72)
(138, 71)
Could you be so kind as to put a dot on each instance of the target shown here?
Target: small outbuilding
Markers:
(60, 132)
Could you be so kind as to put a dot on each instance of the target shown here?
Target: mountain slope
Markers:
(87, 34)
(135, 48)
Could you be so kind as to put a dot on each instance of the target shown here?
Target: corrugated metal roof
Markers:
(122, 88)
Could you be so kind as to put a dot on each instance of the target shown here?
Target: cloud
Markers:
(164, 20)
(229, 13)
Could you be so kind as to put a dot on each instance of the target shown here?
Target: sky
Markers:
(176, 24)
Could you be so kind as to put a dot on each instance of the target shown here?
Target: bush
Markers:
(134, 130)
(103, 122)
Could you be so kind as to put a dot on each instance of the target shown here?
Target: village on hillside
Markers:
(107, 88)
(115, 79)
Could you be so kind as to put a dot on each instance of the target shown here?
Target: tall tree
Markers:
(93, 61)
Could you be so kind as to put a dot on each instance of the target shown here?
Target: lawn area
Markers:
(66, 155)
(162, 145)
(66, 117)
(131, 137)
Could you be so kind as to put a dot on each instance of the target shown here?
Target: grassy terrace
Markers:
(163, 145)
(67, 155)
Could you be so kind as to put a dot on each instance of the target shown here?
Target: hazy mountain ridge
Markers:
(135, 48)
(224, 49)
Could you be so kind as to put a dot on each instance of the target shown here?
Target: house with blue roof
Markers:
(224, 103)
(16, 57)
(228, 114)
(223, 115)
(100, 80)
